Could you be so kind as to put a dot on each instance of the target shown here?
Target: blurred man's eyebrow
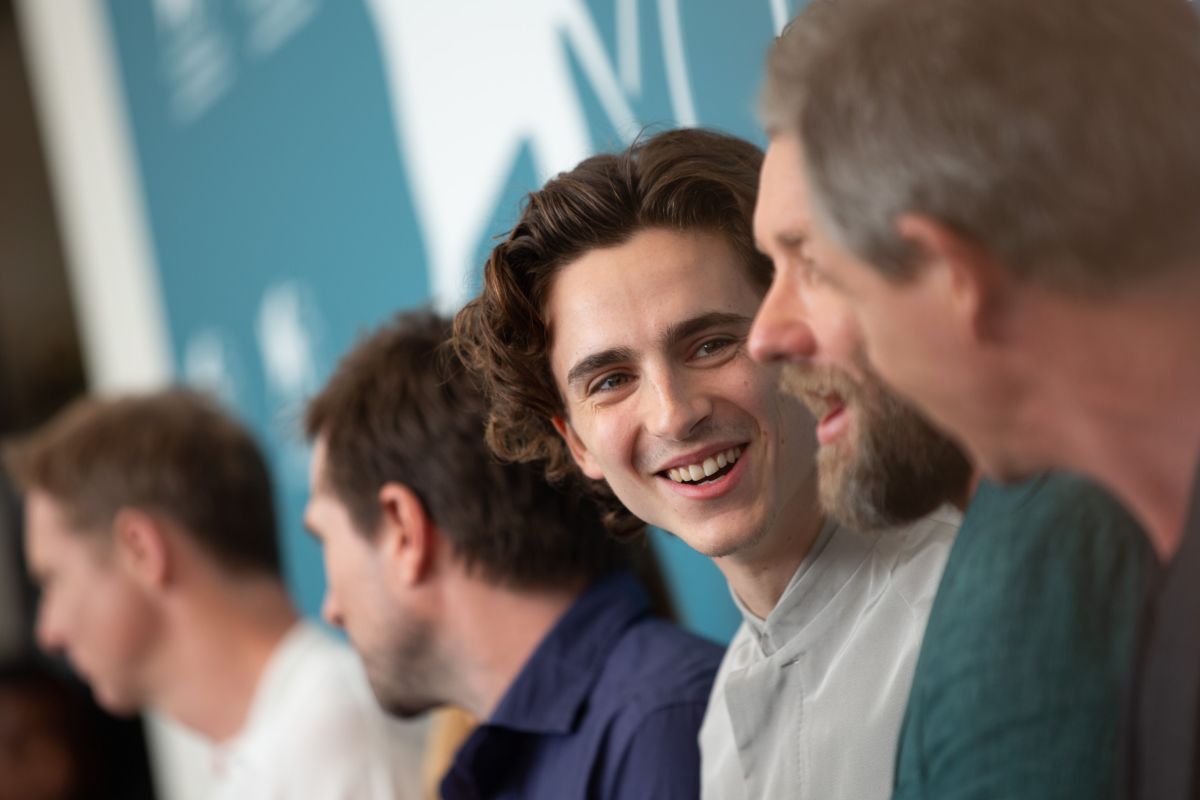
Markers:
(791, 239)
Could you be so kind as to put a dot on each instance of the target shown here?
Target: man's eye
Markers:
(712, 346)
(608, 382)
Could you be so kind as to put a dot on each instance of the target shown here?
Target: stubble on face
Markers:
(893, 468)
(404, 675)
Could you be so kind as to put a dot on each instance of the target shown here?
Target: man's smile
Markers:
(708, 468)
(706, 474)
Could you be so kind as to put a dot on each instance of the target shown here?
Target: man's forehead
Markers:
(50, 534)
(45, 519)
(665, 284)
(782, 214)
(318, 464)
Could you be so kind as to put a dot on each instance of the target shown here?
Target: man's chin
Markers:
(115, 704)
(403, 709)
(723, 544)
(1009, 472)
(398, 702)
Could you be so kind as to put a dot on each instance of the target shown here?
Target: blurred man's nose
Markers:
(330, 612)
(49, 633)
(780, 330)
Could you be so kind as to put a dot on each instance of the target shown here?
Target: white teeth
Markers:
(710, 465)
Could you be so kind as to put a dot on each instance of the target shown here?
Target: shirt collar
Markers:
(836, 555)
(555, 682)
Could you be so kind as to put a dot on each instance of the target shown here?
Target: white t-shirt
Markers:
(808, 703)
(315, 732)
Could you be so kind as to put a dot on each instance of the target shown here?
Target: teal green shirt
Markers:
(1018, 691)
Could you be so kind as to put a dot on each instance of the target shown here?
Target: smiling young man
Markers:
(611, 337)
(1018, 253)
(150, 527)
(464, 581)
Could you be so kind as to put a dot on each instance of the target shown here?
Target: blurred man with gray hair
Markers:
(1005, 194)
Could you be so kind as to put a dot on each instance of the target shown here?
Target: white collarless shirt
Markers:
(315, 732)
(808, 703)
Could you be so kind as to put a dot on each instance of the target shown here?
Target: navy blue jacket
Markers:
(608, 706)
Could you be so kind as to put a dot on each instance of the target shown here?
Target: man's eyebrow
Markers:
(713, 319)
(791, 239)
(597, 361)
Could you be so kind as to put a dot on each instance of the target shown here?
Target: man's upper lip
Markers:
(827, 402)
(698, 456)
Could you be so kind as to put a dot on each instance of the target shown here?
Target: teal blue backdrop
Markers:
(306, 165)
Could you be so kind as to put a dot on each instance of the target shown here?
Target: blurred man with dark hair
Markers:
(150, 527)
(463, 580)
(1000, 198)
(611, 333)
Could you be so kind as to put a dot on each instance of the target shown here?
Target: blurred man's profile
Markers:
(462, 580)
(1004, 195)
(151, 530)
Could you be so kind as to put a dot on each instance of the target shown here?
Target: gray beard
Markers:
(900, 469)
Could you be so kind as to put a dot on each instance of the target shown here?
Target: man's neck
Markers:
(1117, 397)
(493, 631)
(760, 573)
(217, 647)
(963, 501)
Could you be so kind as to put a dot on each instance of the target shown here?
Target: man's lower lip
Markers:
(833, 426)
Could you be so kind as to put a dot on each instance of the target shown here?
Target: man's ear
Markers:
(407, 536)
(141, 547)
(976, 286)
(579, 451)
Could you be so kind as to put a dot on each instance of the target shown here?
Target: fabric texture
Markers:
(1164, 758)
(608, 706)
(1018, 690)
(314, 731)
(808, 703)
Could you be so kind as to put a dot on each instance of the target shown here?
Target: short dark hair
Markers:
(688, 179)
(1060, 134)
(173, 453)
(400, 408)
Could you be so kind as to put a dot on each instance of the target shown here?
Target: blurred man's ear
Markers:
(406, 537)
(579, 451)
(141, 547)
(972, 285)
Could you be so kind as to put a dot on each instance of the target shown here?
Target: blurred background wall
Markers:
(241, 187)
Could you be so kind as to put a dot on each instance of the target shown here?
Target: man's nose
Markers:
(330, 612)
(781, 332)
(676, 407)
(48, 632)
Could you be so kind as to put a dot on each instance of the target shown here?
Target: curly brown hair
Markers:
(688, 179)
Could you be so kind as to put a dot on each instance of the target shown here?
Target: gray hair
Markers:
(1063, 136)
